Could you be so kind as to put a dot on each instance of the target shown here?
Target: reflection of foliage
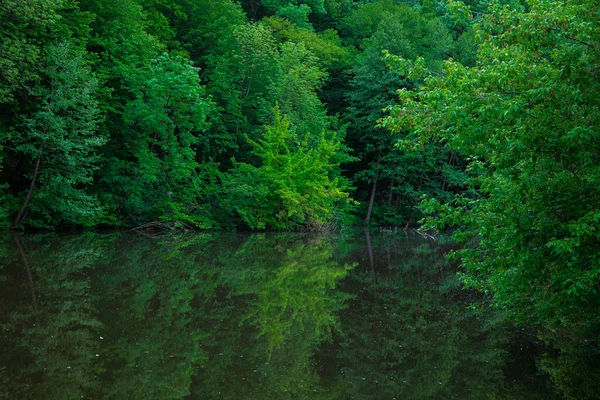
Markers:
(573, 369)
(166, 320)
(263, 316)
(297, 295)
(408, 334)
(54, 321)
(285, 284)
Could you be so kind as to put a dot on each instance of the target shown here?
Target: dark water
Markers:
(265, 316)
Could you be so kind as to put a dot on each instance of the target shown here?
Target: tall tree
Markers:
(406, 175)
(59, 140)
(155, 169)
(259, 72)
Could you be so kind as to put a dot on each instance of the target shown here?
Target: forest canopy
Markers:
(217, 114)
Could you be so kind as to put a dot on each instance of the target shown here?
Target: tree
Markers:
(407, 174)
(259, 73)
(241, 77)
(294, 186)
(204, 28)
(60, 139)
(333, 57)
(155, 169)
(27, 31)
(157, 116)
(25, 27)
(527, 117)
(297, 11)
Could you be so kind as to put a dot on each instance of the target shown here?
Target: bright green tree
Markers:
(294, 186)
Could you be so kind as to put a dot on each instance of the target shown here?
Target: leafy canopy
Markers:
(527, 116)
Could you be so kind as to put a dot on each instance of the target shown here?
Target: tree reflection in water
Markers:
(262, 316)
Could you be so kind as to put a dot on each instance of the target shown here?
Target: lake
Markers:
(264, 316)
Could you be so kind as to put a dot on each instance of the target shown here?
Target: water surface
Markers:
(262, 316)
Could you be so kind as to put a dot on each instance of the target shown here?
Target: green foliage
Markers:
(60, 139)
(526, 115)
(326, 46)
(316, 6)
(164, 122)
(407, 173)
(365, 19)
(258, 73)
(240, 79)
(203, 28)
(167, 144)
(25, 27)
(294, 184)
(296, 14)
(157, 120)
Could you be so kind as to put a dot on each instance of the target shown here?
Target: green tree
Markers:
(295, 184)
(27, 31)
(155, 170)
(326, 46)
(259, 72)
(297, 11)
(406, 174)
(59, 141)
(526, 116)
(241, 77)
(332, 56)
(126, 51)
(157, 115)
(26, 27)
(204, 28)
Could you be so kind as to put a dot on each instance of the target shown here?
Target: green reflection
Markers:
(211, 316)
(269, 316)
(410, 335)
(49, 317)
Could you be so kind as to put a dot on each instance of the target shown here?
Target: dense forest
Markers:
(481, 117)
(219, 114)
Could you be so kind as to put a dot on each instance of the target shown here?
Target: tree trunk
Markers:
(371, 261)
(391, 193)
(412, 210)
(371, 200)
(445, 180)
(373, 189)
(26, 265)
(19, 216)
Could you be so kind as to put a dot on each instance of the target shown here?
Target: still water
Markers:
(262, 316)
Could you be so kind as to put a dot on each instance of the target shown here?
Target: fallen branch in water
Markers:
(426, 235)
(162, 229)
